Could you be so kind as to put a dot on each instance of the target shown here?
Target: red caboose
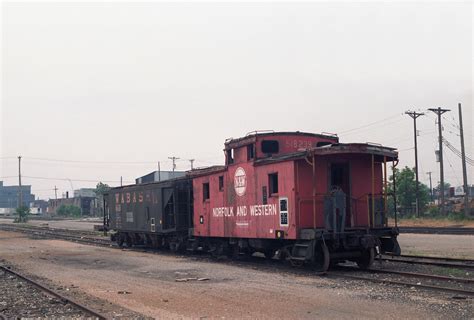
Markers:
(307, 196)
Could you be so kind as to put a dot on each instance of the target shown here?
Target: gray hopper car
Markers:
(156, 214)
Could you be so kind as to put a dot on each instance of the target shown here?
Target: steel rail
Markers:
(407, 284)
(53, 234)
(434, 262)
(411, 274)
(55, 294)
(434, 258)
(437, 230)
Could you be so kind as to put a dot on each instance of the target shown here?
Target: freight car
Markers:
(304, 196)
(154, 214)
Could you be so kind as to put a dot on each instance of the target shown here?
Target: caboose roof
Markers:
(252, 137)
(391, 154)
(205, 171)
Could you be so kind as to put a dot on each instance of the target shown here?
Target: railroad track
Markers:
(437, 230)
(438, 261)
(92, 313)
(434, 282)
(433, 261)
(60, 234)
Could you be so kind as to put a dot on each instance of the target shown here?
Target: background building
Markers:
(9, 196)
(156, 176)
(84, 192)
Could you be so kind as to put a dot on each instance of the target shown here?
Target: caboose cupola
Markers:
(259, 145)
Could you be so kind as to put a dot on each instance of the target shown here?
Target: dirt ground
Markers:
(440, 245)
(432, 223)
(146, 283)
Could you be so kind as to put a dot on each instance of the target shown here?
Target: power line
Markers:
(456, 151)
(369, 124)
(88, 161)
(76, 180)
(454, 172)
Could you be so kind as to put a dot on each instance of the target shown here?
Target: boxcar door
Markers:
(169, 216)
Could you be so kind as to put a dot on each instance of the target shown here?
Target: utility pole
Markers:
(159, 171)
(414, 115)
(174, 163)
(192, 162)
(464, 170)
(56, 192)
(20, 191)
(431, 186)
(439, 112)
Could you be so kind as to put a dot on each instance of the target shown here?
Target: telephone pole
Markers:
(20, 191)
(439, 111)
(174, 163)
(159, 171)
(431, 186)
(464, 170)
(414, 115)
(192, 162)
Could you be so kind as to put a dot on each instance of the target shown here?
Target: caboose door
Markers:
(339, 177)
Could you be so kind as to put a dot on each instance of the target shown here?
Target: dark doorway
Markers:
(168, 209)
(340, 178)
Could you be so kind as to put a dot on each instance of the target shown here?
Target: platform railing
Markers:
(374, 208)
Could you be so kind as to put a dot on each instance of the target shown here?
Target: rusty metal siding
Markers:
(292, 143)
(228, 214)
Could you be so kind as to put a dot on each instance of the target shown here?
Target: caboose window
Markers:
(250, 152)
(205, 191)
(230, 156)
(273, 183)
(221, 183)
(270, 146)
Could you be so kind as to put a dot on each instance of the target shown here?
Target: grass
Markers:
(450, 272)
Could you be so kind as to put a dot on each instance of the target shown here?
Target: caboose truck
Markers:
(306, 196)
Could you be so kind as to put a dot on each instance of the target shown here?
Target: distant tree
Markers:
(406, 191)
(437, 189)
(101, 188)
(22, 212)
(69, 210)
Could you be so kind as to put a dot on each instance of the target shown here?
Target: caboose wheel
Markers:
(367, 259)
(321, 257)
(269, 253)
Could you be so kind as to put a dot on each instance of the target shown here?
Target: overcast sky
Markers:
(107, 83)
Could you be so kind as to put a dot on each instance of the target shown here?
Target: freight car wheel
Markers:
(367, 259)
(120, 240)
(128, 241)
(321, 257)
